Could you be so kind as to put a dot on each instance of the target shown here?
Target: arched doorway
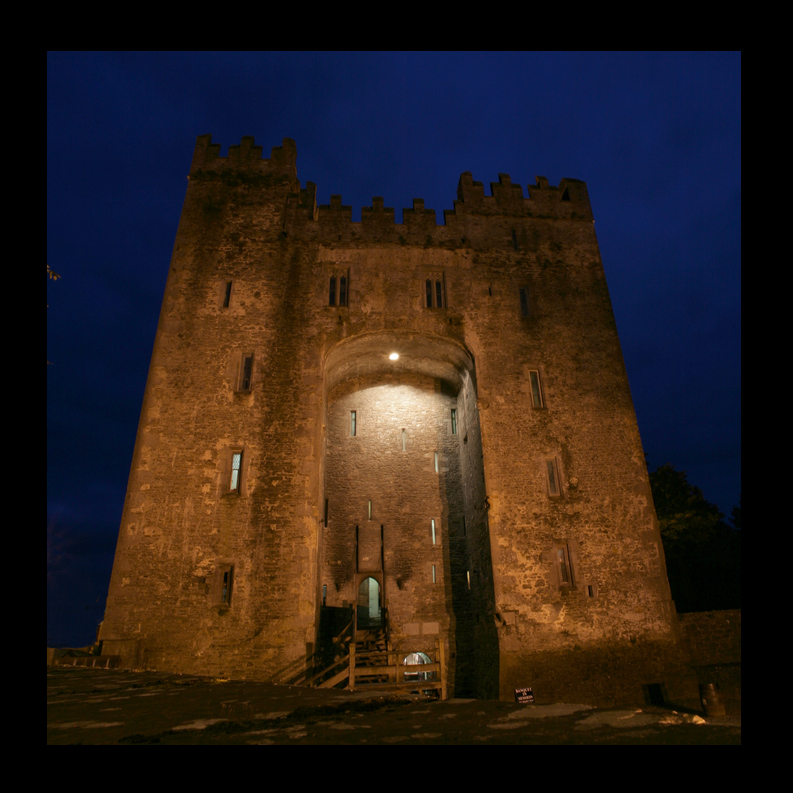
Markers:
(369, 607)
(404, 494)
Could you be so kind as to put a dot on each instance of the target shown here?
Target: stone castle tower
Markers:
(431, 424)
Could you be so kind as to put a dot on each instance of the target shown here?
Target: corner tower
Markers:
(428, 424)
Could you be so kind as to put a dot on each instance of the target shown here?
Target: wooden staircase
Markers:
(364, 658)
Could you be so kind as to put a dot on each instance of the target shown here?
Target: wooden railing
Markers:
(369, 669)
(366, 668)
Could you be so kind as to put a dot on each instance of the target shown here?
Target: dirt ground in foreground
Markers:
(100, 706)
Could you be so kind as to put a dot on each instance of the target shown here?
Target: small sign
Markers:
(524, 695)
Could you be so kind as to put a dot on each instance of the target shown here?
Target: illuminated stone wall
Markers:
(550, 571)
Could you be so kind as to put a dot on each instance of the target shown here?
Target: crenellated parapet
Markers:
(506, 205)
(246, 156)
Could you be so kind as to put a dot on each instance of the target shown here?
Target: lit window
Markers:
(454, 421)
(352, 423)
(436, 462)
(370, 509)
(433, 574)
(536, 390)
(236, 472)
(433, 532)
(404, 441)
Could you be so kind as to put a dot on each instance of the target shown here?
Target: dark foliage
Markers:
(703, 552)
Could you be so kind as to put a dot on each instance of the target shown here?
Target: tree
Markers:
(703, 553)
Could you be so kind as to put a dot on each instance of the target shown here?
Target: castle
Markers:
(427, 425)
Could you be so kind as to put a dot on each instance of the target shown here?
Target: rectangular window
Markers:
(565, 568)
(246, 371)
(436, 462)
(525, 309)
(352, 423)
(227, 295)
(435, 292)
(326, 511)
(468, 578)
(433, 531)
(236, 472)
(226, 576)
(370, 509)
(339, 289)
(433, 574)
(324, 594)
(454, 421)
(536, 390)
(404, 441)
(552, 470)
(514, 240)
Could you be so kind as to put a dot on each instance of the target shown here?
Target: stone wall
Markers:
(712, 637)
(549, 565)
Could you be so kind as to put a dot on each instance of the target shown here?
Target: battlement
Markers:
(245, 165)
(244, 157)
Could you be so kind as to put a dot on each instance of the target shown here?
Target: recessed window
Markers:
(468, 578)
(552, 472)
(454, 421)
(370, 509)
(514, 240)
(435, 293)
(225, 583)
(338, 290)
(324, 594)
(536, 389)
(564, 566)
(432, 529)
(235, 481)
(404, 441)
(227, 295)
(353, 422)
(433, 574)
(436, 462)
(525, 306)
(246, 373)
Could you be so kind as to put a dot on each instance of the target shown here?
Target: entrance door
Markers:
(369, 610)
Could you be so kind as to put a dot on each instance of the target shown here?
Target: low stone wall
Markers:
(712, 637)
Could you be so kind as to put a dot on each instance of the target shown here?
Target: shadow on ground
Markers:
(101, 706)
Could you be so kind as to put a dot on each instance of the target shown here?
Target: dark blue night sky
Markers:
(657, 138)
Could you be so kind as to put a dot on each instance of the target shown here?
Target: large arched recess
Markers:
(406, 498)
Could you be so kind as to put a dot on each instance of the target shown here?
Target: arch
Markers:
(367, 355)
(369, 605)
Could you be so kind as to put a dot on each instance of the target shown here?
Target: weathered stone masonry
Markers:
(247, 484)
